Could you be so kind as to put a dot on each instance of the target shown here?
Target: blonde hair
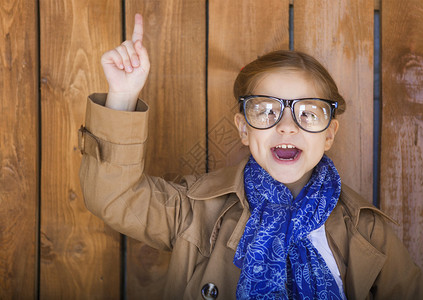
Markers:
(250, 75)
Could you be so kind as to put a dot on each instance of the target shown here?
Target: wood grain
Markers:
(175, 36)
(79, 254)
(175, 33)
(401, 186)
(19, 163)
(239, 31)
(340, 35)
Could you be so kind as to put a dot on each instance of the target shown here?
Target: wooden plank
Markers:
(18, 149)
(401, 179)
(175, 32)
(340, 35)
(239, 31)
(79, 254)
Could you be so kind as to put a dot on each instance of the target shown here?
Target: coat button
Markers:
(209, 291)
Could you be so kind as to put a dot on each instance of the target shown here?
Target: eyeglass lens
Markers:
(310, 114)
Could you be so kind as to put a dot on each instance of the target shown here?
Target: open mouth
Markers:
(286, 152)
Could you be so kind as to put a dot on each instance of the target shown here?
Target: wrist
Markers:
(121, 101)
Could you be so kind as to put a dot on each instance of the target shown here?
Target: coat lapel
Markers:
(365, 263)
(358, 260)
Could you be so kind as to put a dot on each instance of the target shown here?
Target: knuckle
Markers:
(127, 43)
(120, 48)
(126, 60)
(117, 58)
(107, 55)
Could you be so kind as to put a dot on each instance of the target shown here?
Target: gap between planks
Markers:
(377, 4)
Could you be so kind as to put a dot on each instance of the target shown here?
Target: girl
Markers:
(277, 226)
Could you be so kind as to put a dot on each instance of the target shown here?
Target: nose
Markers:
(287, 124)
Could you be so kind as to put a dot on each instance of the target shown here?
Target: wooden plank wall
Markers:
(19, 144)
(79, 255)
(52, 247)
(401, 187)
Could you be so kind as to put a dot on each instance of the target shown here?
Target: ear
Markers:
(241, 125)
(330, 134)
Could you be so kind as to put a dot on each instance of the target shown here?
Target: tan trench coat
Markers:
(202, 219)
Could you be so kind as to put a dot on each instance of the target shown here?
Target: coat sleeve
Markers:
(114, 187)
(400, 277)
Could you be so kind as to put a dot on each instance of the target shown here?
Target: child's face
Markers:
(294, 171)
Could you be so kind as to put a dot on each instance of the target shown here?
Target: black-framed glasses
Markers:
(310, 114)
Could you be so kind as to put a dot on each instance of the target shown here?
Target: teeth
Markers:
(285, 146)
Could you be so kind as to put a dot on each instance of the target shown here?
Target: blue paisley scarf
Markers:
(276, 258)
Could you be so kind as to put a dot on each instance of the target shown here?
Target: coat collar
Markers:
(229, 180)
(223, 181)
(355, 204)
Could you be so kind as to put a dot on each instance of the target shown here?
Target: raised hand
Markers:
(126, 68)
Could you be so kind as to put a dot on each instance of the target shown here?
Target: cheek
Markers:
(317, 143)
(257, 141)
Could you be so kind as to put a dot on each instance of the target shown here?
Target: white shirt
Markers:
(320, 242)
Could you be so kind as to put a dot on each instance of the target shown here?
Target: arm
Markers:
(113, 144)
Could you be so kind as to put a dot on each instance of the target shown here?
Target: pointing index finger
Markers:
(138, 29)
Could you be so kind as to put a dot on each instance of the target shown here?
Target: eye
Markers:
(268, 112)
(308, 117)
(262, 112)
(267, 115)
(265, 109)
